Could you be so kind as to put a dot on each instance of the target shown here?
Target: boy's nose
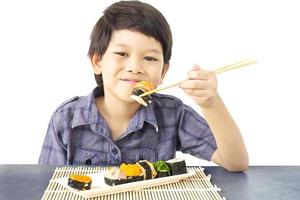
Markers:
(134, 67)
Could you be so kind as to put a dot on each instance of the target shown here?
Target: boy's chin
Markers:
(126, 98)
(131, 100)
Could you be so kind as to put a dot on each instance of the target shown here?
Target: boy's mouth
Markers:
(131, 81)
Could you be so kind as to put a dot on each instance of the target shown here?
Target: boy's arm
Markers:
(231, 152)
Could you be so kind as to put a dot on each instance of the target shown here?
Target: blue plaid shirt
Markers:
(79, 135)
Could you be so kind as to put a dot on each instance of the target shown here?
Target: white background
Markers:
(43, 62)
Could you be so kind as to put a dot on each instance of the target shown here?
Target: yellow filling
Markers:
(80, 178)
(130, 169)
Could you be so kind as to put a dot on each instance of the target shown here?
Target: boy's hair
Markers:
(133, 15)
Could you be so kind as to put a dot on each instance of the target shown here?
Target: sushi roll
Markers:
(177, 166)
(132, 171)
(162, 168)
(140, 88)
(147, 169)
(80, 182)
(114, 176)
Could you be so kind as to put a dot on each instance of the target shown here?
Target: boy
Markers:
(132, 42)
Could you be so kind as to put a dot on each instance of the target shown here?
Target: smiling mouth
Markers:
(131, 81)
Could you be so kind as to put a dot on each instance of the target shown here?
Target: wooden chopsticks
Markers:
(241, 63)
(232, 66)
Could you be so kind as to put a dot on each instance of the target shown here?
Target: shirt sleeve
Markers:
(53, 151)
(194, 134)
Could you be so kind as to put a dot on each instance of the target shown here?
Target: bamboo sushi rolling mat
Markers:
(196, 187)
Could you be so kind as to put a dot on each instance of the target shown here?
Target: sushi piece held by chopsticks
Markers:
(140, 88)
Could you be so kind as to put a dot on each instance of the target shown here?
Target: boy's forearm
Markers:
(231, 149)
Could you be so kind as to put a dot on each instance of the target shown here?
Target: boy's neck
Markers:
(116, 109)
(116, 113)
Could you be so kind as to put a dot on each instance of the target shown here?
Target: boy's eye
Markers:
(121, 53)
(148, 58)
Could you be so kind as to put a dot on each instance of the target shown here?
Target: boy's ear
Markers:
(95, 59)
(165, 69)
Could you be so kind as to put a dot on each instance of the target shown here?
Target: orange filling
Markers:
(80, 178)
(130, 169)
(144, 85)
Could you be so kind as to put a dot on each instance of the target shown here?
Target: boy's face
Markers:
(130, 57)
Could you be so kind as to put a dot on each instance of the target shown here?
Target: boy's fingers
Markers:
(195, 67)
(196, 92)
(194, 84)
(199, 74)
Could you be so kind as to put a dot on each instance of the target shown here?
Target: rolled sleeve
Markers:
(53, 151)
(194, 135)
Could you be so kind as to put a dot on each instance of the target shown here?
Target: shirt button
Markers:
(114, 151)
(88, 162)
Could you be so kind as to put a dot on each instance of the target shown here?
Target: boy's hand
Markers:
(201, 86)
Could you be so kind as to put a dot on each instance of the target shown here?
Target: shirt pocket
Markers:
(89, 157)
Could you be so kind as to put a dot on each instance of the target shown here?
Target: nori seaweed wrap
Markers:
(80, 182)
(148, 169)
(177, 166)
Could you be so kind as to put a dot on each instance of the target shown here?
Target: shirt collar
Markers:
(144, 114)
(86, 113)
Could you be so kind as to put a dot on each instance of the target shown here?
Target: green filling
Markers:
(161, 166)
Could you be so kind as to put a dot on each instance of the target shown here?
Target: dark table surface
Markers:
(259, 182)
